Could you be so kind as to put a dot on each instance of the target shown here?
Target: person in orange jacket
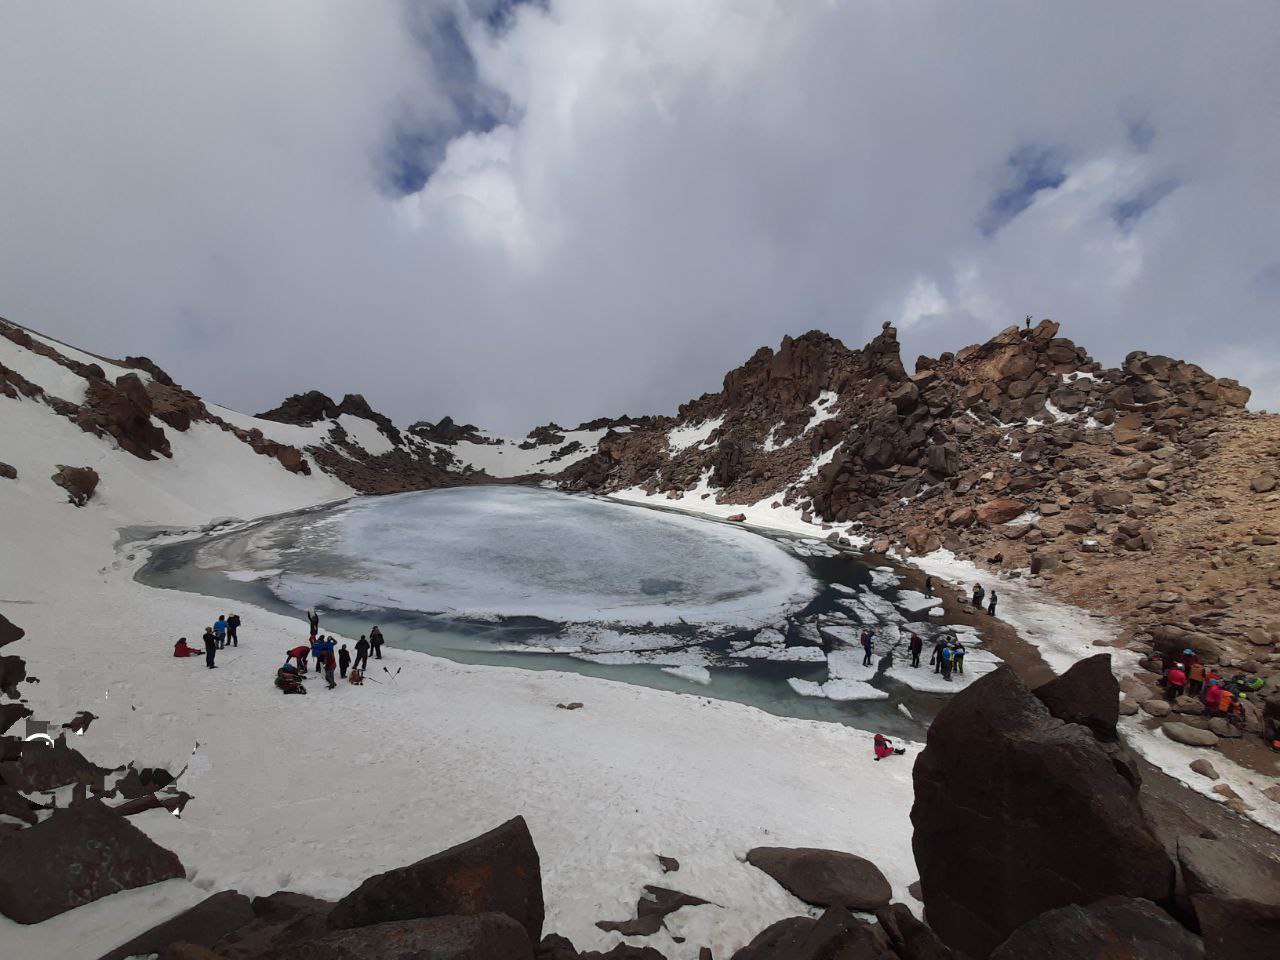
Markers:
(1195, 678)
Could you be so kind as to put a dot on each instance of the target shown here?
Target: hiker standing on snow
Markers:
(362, 653)
(947, 662)
(978, 594)
(957, 656)
(866, 648)
(330, 664)
(375, 642)
(936, 660)
(344, 661)
(313, 618)
(210, 647)
(915, 646)
(220, 630)
(991, 605)
(233, 624)
(317, 651)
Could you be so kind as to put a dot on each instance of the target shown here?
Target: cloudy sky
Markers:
(516, 212)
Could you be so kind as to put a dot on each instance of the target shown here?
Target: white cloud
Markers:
(677, 184)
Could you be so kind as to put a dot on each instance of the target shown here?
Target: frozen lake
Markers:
(519, 576)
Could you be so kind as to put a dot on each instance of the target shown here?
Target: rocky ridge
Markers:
(1147, 491)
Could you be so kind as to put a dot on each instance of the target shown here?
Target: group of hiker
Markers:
(1188, 675)
(947, 658)
(327, 659)
(223, 633)
(979, 593)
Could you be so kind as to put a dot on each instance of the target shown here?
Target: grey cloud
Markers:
(672, 186)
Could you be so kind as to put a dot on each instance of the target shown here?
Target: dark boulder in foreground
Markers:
(1087, 694)
(203, 925)
(10, 632)
(1017, 813)
(76, 856)
(1236, 929)
(497, 872)
(480, 936)
(280, 921)
(838, 935)
(1118, 928)
(910, 938)
(1231, 871)
(43, 767)
(825, 878)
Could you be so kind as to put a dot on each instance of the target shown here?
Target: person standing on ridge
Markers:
(344, 661)
(313, 618)
(210, 647)
(866, 648)
(375, 642)
(915, 646)
(220, 630)
(991, 604)
(362, 653)
(233, 624)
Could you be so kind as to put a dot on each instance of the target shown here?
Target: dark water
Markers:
(759, 683)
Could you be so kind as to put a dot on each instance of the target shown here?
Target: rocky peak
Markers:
(448, 432)
(302, 409)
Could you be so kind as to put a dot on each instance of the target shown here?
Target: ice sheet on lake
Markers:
(837, 689)
(695, 674)
(915, 601)
(781, 654)
(510, 551)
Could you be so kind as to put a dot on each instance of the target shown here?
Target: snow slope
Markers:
(504, 458)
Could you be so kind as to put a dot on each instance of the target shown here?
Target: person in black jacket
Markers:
(233, 624)
(375, 642)
(344, 660)
(915, 646)
(210, 647)
(936, 660)
(362, 653)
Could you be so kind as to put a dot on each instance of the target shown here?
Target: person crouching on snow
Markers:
(299, 653)
(884, 748)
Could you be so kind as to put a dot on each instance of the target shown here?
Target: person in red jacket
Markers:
(884, 748)
(1177, 681)
(181, 649)
(299, 653)
(330, 665)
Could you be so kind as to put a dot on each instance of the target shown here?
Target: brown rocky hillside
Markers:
(1146, 491)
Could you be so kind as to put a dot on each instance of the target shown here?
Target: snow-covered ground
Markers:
(315, 793)
(504, 458)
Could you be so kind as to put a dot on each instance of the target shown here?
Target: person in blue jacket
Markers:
(866, 648)
(220, 631)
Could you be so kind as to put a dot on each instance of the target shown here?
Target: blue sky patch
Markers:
(1028, 170)
(1127, 212)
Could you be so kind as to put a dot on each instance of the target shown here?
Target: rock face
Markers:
(481, 936)
(280, 921)
(1047, 819)
(1118, 928)
(1087, 694)
(836, 936)
(1231, 872)
(76, 856)
(1237, 929)
(496, 872)
(825, 878)
(79, 482)
(203, 925)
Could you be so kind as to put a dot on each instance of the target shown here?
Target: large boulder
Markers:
(1017, 813)
(203, 925)
(497, 872)
(1236, 929)
(838, 935)
(479, 936)
(910, 938)
(9, 632)
(79, 482)
(995, 512)
(43, 767)
(1189, 735)
(78, 855)
(1087, 694)
(1118, 928)
(1228, 870)
(279, 921)
(825, 878)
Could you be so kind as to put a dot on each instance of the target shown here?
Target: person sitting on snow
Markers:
(356, 676)
(884, 748)
(183, 649)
